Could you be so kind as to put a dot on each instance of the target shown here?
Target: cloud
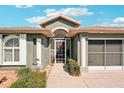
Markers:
(65, 11)
(68, 11)
(110, 24)
(119, 20)
(35, 20)
(23, 6)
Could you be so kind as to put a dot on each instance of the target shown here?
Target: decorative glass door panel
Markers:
(60, 51)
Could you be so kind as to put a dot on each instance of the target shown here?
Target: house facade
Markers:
(61, 38)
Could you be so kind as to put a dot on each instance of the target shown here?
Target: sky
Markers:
(87, 15)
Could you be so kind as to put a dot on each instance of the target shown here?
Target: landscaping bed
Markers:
(29, 78)
(26, 77)
(11, 77)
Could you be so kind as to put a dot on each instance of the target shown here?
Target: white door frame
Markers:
(58, 40)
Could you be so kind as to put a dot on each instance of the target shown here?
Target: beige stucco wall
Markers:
(74, 43)
(31, 50)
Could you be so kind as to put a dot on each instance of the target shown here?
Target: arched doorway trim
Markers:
(60, 28)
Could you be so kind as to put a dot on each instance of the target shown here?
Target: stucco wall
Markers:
(75, 41)
(31, 50)
(105, 35)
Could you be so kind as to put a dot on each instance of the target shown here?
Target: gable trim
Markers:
(57, 17)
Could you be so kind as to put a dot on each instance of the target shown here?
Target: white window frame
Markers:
(22, 50)
(12, 48)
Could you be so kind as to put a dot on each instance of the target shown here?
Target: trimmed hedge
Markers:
(30, 79)
(73, 67)
(24, 71)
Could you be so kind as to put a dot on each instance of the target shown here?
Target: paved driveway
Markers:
(61, 79)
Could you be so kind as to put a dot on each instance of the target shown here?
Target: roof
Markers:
(26, 30)
(72, 32)
(96, 30)
(60, 16)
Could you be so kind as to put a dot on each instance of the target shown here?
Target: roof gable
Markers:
(58, 17)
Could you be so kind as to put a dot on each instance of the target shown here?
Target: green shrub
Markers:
(24, 71)
(33, 79)
(21, 83)
(37, 80)
(73, 67)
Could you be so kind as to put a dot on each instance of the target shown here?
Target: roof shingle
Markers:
(97, 30)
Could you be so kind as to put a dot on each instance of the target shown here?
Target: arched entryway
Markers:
(60, 46)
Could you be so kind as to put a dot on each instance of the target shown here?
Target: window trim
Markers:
(9, 37)
(13, 48)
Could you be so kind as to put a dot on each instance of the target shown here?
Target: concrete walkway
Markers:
(61, 79)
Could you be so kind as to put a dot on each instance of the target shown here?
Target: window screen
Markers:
(113, 45)
(8, 55)
(96, 53)
(113, 59)
(96, 59)
(109, 54)
(96, 46)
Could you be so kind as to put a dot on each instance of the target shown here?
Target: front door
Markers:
(60, 50)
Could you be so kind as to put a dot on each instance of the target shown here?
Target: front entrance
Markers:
(60, 51)
(60, 47)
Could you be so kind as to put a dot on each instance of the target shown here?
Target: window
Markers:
(105, 53)
(113, 45)
(96, 53)
(60, 33)
(96, 46)
(114, 59)
(11, 49)
(113, 52)
(96, 59)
